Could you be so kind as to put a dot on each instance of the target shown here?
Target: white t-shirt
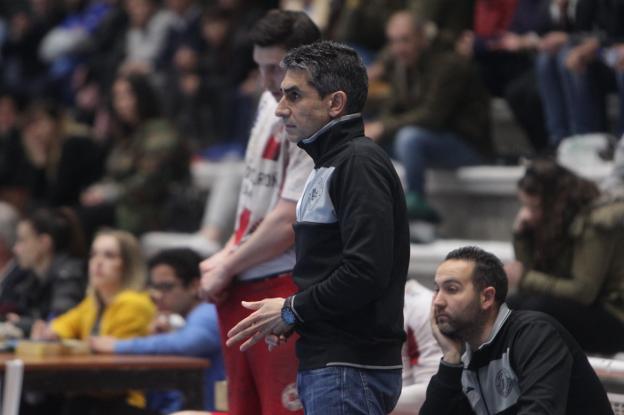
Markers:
(274, 169)
(421, 352)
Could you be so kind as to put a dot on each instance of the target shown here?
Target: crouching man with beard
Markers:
(499, 361)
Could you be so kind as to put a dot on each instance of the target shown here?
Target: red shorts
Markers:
(259, 381)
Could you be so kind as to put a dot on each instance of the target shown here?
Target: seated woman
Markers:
(55, 161)
(147, 164)
(115, 305)
(185, 325)
(567, 240)
(51, 248)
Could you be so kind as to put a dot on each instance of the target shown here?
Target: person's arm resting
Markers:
(199, 337)
(445, 394)
(593, 253)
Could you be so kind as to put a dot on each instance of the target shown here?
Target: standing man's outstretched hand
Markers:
(264, 321)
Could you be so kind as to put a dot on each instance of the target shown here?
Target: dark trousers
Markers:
(511, 76)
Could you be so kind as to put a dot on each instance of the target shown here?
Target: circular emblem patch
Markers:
(504, 382)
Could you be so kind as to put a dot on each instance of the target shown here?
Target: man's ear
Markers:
(488, 297)
(337, 104)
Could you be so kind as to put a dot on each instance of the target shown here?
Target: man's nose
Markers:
(282, 110)
(438, 300)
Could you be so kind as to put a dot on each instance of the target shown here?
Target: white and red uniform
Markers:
(262, 382)
(421, 353)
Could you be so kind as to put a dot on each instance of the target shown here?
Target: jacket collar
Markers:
(501, 318)
(332, 136)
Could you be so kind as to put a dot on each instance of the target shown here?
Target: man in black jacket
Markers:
(352, 243)
(498, 361)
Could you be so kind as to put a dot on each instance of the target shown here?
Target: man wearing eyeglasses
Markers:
(184, 325)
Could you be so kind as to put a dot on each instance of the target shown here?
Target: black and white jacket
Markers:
(530, 365)
(352, 248)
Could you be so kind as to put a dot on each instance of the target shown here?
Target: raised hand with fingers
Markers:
(266, 320)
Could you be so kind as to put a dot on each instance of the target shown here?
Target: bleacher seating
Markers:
(478, 204)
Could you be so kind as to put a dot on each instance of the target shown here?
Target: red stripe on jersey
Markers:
(413, 352)
(243, 223)
(272, 149)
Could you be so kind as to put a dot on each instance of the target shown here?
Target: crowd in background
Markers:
(86, 84)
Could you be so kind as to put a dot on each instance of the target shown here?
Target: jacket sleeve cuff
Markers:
(291, 301)
(450, 374)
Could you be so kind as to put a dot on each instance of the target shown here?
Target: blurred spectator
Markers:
(567, 239)
(114, 306)
(149, 162)
(590, 65)
(10, 273)
(218, 217)
(360, 24)
(174, 284)
(438, 112)
(23, 72)
(67, 44)
(505, 35)
(318, 10)
(12, 154)
(421, 353)
(184, 32)
(209, 103)
(61, 161)
(92, 109)
(9, 115)
(108, 43)
(450, 17)
(551, 72)
(146, 36)
(49, 245)
(205, 87)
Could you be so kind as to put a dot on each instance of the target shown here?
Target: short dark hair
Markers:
(64, 228)
(332, 67)
(286, 28)
(488, 270)
(184, 261)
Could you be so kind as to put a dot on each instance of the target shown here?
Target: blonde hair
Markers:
(133, 275)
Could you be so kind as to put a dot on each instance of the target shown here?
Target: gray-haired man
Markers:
(352, 244)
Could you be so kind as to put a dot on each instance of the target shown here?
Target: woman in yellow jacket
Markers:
(115, 304)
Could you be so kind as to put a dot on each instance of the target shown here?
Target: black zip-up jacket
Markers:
(530, 365)
(352, 247)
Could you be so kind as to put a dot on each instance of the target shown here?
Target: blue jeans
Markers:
(574, 102)
(585, 97)
(418, 149)
(343, 390)
(549, 69)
